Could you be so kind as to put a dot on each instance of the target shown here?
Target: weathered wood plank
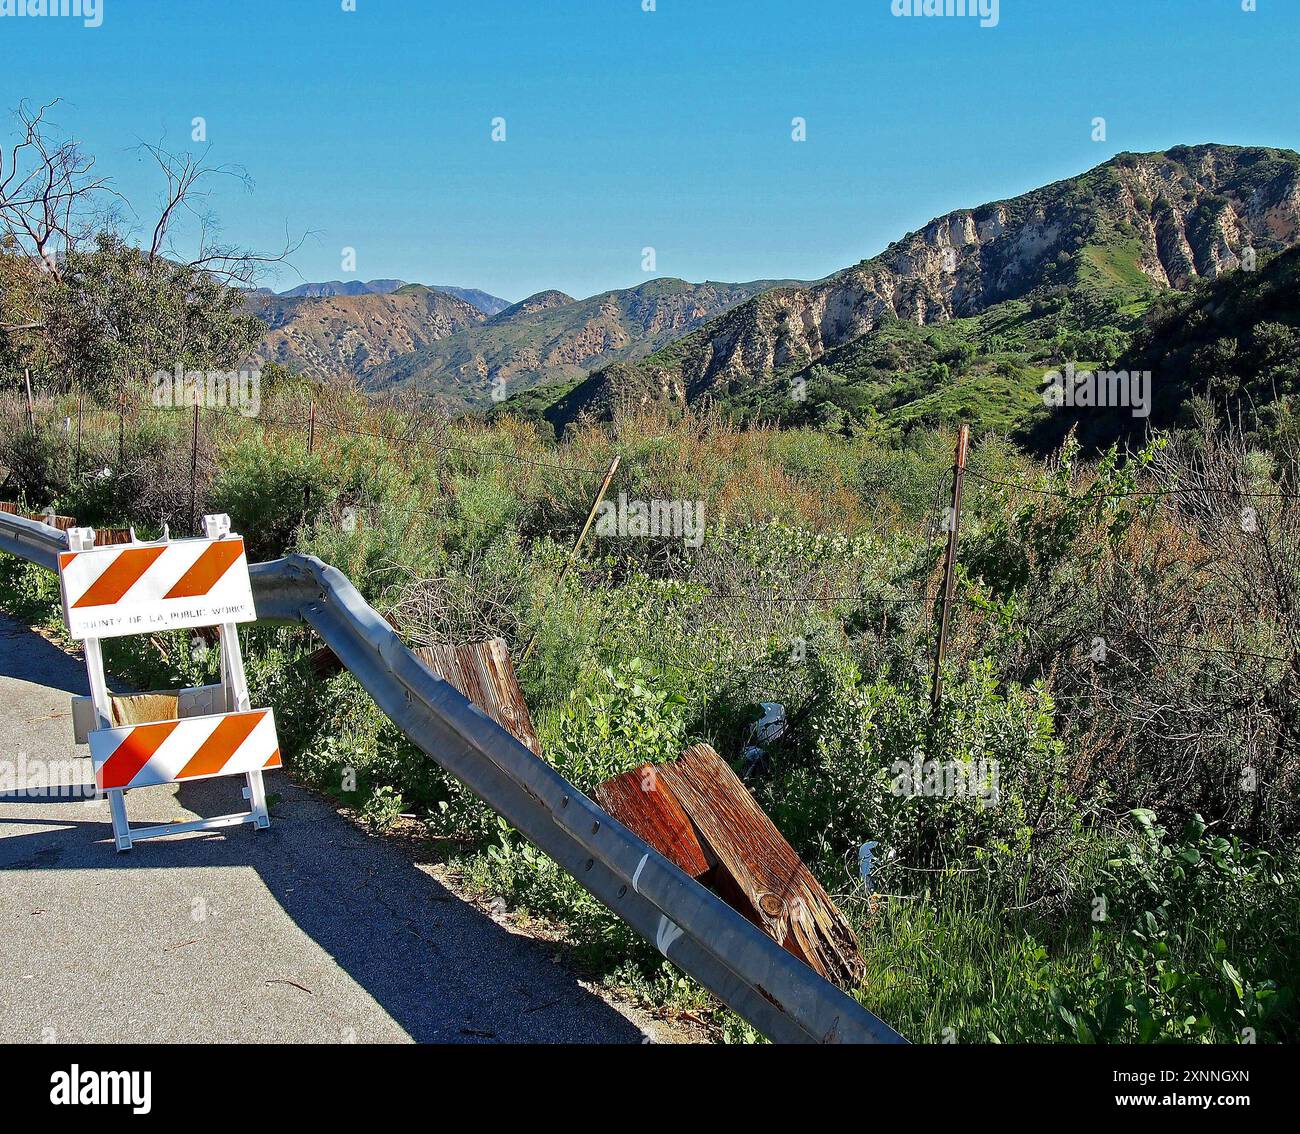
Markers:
(142, 708)
(647, 807)
(756, 870)
(482, 672)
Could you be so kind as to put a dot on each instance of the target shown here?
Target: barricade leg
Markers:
(121, 829)
(99, 695)
(256, 793)
(236, 687)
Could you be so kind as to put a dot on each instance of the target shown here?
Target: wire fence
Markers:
(317, 430)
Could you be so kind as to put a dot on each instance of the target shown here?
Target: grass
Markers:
(1116, 265)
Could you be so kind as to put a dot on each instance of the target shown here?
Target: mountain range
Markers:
(957, 320)
(418, 337)
(488, 304)
(552, 338)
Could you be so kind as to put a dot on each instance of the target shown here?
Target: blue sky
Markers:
(626, 129)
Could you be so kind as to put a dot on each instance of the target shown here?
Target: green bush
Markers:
(619, 722)
(980, 785)
(269, 487)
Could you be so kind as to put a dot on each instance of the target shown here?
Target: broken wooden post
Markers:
(748, 862)
(482, 673)
(637, 800)
(63, 523)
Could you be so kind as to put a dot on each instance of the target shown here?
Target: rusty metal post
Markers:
(950, 560)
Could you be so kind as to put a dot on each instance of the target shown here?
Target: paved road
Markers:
(307, 932)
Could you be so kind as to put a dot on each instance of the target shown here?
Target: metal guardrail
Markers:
(777, 993)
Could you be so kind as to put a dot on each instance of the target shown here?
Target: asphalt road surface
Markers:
(310, 931)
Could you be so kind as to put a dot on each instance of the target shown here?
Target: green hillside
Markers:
(961, 320)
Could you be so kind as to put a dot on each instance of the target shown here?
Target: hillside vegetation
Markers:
(1121, 679)
(1231, 343)
(964, 316)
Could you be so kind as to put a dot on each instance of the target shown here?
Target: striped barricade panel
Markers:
(195, 748)
(109, 592)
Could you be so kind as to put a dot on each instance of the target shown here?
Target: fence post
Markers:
(31, 410)
(311, 445)
(950, 560)
(573, 555)
(77, 465)
(194, 467)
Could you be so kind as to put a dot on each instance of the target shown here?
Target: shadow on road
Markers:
(440, 968)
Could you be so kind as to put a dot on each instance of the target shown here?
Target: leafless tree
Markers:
(52, 199)
(48, 188)
(187, 179)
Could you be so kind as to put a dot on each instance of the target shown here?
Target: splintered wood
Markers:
(482, 673)
(734, 849)
(655, 816)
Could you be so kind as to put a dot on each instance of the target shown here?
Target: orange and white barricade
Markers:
(142, 588)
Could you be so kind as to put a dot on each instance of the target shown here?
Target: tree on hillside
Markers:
(82, 298)
(114, 313)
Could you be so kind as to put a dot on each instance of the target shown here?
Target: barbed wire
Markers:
(1178, 490)
(410, 443)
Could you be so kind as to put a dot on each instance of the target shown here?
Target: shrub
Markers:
(980, 785)
(265, 485)
(620, 721)
(383, 808)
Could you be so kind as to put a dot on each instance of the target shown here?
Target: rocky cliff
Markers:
(1135, 223)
